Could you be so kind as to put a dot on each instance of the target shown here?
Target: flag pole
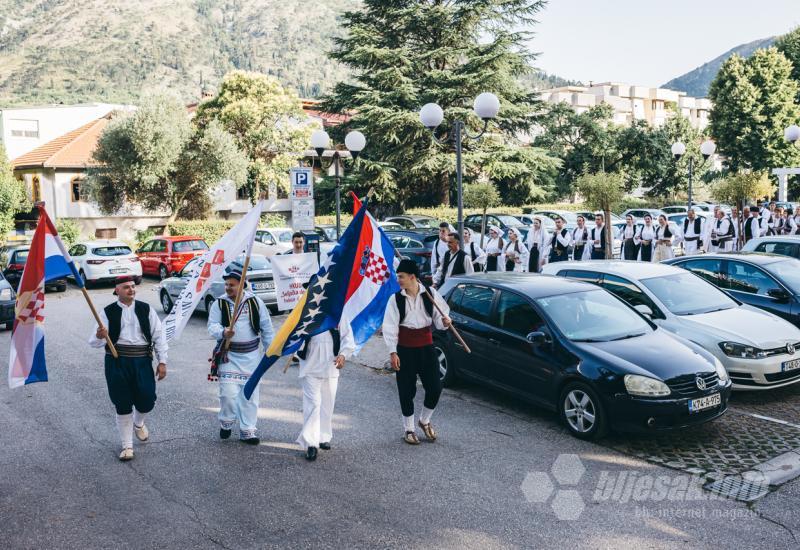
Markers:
(451, 327)
(109, 343)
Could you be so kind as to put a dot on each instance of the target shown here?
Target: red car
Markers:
(164, 256)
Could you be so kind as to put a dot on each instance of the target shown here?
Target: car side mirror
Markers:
(644, 310)
(779, 294)
(537, 338)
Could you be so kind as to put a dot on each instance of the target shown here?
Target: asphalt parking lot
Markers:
(503, 474)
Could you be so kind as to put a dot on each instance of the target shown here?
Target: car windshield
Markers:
(20, 257)
(788, 271)
(593, 316)
(120, 250)
(189, 246)
(510, 221)
(569, 217)
(189, 267)
(285, 236)
(688, 294)
(427, 223)
(330, 233)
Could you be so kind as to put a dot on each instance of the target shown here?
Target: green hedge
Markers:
(209, 230)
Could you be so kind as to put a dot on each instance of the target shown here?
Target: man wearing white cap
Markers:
(135, 330)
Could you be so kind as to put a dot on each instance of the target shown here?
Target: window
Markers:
(107, 233)
(159, 246)
(630, 293)
(147, 247)
(748, 278)
(708, 270)
(189, 246)
(782, 248)
(77, 190)
(516, 315)
(20, 257)
(454, 300)
(36, 189)
(580, 275)
(241, 193)
(118, 250)
(77, 250)
(477, 302)
(265, 237)
(400, 242)
(24, 128)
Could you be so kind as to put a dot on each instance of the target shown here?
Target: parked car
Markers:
(414, 245)
(164, 255)
(570, 217)
(639, 213)
(766, 281)
(259, 276)
(273, 240)
(104, 261)
(579, 350)
(12, 262)
(414, 222)
(783, 245)
(327, 233)
(589, 217)
(8, 301)
(756, 347)
(547, 222)
(503, 221)
(387, 226)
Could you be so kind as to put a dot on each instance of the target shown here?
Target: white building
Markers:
(23, 129)
(654, 105)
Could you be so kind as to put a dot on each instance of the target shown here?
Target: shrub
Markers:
(209, 230)
(142, 236)
(274, 220)
(68, 230)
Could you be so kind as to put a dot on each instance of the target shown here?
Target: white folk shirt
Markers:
(628, 232)
(690, 228)
(416, 316)
(480, 255)
(647, 233)
(320, 362)
(514, 251)
(439, 277)
(580, 236)
(441, 248)
(131, 334)
(596, 234)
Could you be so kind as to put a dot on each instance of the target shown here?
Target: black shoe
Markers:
(325, 446)
(251, 441)
(224, 434)
(311, 453)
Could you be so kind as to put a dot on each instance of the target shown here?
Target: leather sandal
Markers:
(411, 438)
(428, 430)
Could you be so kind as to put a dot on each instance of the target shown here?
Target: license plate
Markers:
(706, 402)
(263, 286)
(121, 270)
(791, 365)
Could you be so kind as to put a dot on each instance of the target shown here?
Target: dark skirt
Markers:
(630, 250)
(598, 253)
(647, 252)
(533, 260)
(491, 263)
(510, 265)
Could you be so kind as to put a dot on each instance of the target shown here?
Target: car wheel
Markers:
(86, 281)
(166, 302)
(209, 302)
(162, 272)
(582, 412)
(62, 288)
(447, 370)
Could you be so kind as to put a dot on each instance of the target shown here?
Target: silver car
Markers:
(259, 278)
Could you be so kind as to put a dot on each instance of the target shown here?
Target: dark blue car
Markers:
(577, 349)
(767, 281)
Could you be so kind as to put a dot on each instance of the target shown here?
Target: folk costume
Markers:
(752, 229)
(597, 236)
(475, 252)
(135, 331)
(630, 248)
(722, 235)
(252, 327)
(693, 231)
(664, 238)
(580, 249)
(516, 253)
(559, 246)
(408, 326)
(458, 263)
(494, 250)
(437, 254)
(536, 242)
(645, 238)
(320, 379)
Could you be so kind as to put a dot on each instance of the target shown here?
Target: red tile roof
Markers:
(72, 150)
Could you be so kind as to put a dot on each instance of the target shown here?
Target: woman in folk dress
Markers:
(515, 252)
(645, 240)
(536, 243)
(664, 237)
(494, 250)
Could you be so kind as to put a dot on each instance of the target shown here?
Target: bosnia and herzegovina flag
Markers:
(47, 260)
(354, 284)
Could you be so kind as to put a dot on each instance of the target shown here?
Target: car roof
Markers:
(174, 238)
(778, 238)
(103, 242)
(533, 285)
(760, 258)
(637, 270)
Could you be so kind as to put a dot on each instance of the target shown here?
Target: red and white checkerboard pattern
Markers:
(33, 311)
(377, 271)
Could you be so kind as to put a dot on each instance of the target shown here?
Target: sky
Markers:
(646, 42)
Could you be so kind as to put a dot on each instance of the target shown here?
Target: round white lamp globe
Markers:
(486, 106)
(792, 133)
(678, 149)
(355, 142)
(431, 115)
(707, 148)
(320, 140)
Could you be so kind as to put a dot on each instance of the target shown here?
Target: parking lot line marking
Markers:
(767, 418)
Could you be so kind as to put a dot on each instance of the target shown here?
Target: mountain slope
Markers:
(696, 83)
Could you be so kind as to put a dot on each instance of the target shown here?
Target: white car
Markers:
(105, 260)
(273, 240)
(758, 349)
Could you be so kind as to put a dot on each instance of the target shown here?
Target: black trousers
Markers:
(577, 253)
(598, 253)
(131, 383)
(415, 362)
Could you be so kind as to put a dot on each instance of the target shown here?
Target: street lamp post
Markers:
(355, 143)
(792, 135)
(707, 149)
(486, 107)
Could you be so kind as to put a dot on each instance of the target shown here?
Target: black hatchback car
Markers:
(12, 262)
(767, 281)
(577, 349)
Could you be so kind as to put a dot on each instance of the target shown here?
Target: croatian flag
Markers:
(47, 260)
(354, 285)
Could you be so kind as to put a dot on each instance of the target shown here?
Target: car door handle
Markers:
(494, 342)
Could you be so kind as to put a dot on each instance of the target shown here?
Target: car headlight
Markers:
(642, 385)
(6, 294)
(721, 372)
(734, 349)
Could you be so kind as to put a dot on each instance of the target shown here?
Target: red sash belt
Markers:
(415, 337)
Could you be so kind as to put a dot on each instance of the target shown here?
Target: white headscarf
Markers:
(517, 232)
(470, 232)
(496, 230)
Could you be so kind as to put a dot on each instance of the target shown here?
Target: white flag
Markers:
(209, 268)
(290, 271)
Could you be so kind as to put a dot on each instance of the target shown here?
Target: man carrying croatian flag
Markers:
(47, 260)
(348, 295)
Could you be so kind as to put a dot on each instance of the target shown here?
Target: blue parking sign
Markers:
(302, 183)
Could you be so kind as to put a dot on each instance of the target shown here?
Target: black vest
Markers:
(601, 238)
(555, 243)
(400, 300)
(472, 252)
(226, 309)
(667, 233)
(458, 269)
(696, 226)
(337, 342)
(748, 229)
(114, 316)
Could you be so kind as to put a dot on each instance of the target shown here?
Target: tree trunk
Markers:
(609, 244)
(483, 225)
(170, 221)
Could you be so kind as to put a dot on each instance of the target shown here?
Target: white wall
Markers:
(49, 122)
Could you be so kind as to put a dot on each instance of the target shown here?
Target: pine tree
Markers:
(405, 53)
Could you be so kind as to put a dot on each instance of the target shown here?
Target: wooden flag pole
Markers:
(451, 327)
(239, 293)
(99, 322)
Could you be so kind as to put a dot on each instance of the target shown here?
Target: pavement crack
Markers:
(763, 516)
(204, 529)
